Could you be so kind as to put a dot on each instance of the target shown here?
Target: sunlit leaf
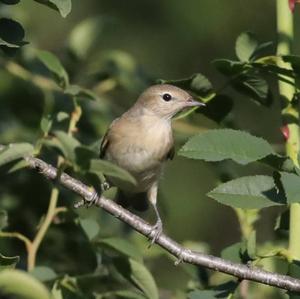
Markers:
(27, 286)
(245, 46)
(218, 145)
(63, 6)
(250, 192)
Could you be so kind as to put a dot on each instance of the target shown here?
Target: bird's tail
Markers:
(137, 201)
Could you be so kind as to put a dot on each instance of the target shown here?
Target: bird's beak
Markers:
(192, 103)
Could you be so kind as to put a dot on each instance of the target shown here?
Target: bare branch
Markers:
(197, 258)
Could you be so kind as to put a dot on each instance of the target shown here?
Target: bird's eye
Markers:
(166, 97)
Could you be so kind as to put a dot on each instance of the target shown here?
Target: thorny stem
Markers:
(290, 115)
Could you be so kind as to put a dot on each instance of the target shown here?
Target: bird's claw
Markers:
(105, 186)
(181, 256)
(155, 232)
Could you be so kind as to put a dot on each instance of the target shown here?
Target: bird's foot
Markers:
(105, 186)
(180, 258)
(155, 232)
(87, 202)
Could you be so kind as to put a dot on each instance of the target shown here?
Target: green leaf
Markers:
(8, 262)
(63, 6)
(291, 186)
(53, 64)
(22, 285)
(3, 219)
(232, 253)
(245, 46)
(46, 123)
(80, 92)
(104, 167)
(254, 87)
(229, 67)
(138, 275)
(294, 60)
(121, 246)
(61, 116)
(85, 36)
(91, 227)
(67, 144)
(127, 295)
(11, 35)
(15, 151)
(43, 273)
(10, 2)
(218, 145)
(221, 291)
(250, 192)
(197, 83)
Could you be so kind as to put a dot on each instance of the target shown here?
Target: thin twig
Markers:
(197, 258)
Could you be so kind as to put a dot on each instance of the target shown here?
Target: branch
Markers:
(197, 258)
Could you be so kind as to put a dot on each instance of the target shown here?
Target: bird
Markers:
(141, 141)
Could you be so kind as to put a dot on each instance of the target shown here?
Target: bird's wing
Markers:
(105, 140)
(171, 153)
(104, 145)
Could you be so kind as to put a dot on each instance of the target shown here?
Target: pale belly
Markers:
(142, 164)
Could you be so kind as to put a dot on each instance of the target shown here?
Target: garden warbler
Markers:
(141, 140)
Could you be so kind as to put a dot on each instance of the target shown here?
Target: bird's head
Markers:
(166, 100)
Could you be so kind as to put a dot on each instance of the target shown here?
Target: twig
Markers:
(197, 258)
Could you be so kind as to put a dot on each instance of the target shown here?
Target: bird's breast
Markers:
(141, 148)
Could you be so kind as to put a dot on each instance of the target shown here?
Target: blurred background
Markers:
(136, 42)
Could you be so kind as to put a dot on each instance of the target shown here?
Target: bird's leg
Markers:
(158, 226)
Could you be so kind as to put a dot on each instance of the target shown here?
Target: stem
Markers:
(285, 37)
(18, 236)
(52, 208)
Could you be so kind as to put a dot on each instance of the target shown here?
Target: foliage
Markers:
(95, 257)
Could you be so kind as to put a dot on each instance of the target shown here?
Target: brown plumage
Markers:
(141, 140)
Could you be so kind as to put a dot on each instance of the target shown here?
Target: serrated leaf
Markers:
(43, 273)
(122, 246)
(8, 262)
(138, 275)
(245, 46)
(27, 286)
(250, 192)
(104, 167)
(15, 151)
(91, 227)
(63, 6)
(222, 144)
(53, 64)
(291, 186)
